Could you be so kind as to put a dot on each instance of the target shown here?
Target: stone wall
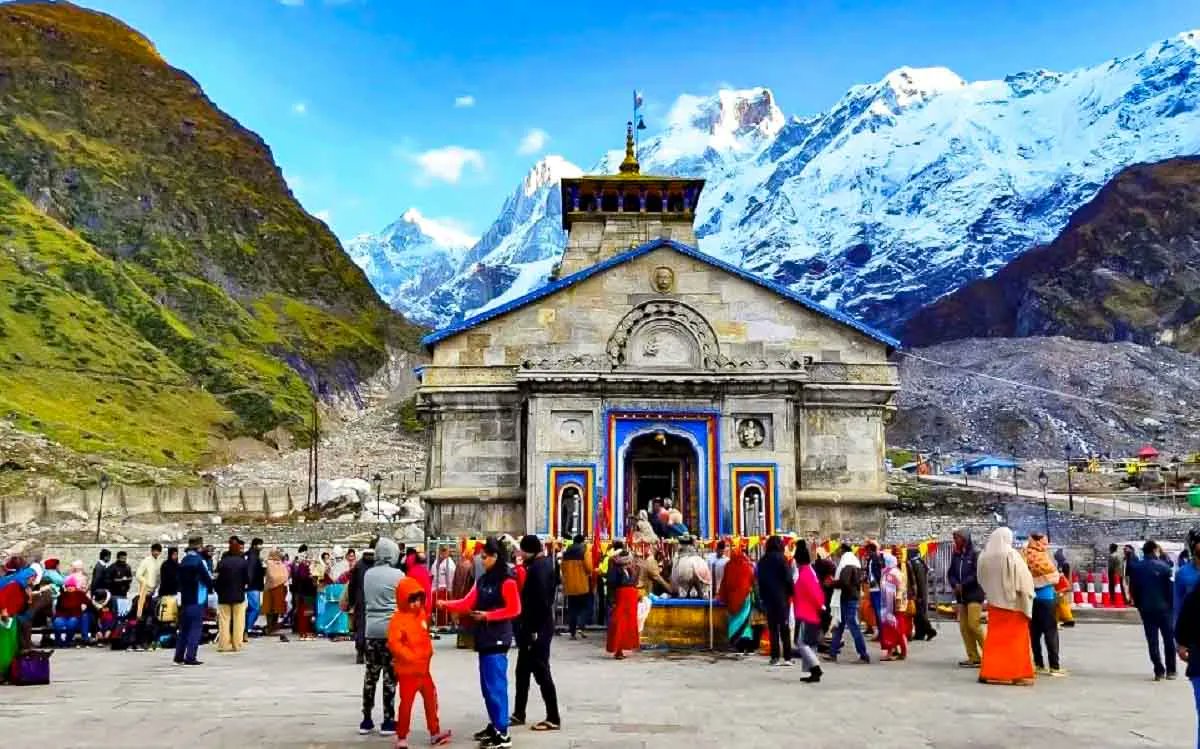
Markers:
(594, 240)
(750, 322)
(123, 501)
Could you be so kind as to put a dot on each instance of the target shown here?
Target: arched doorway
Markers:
(662, 465)
(753, 508)
(570, 512)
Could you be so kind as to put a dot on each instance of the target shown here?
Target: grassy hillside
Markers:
(162, 288)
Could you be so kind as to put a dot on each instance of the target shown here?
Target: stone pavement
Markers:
(307, 695)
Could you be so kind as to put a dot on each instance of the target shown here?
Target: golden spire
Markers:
(630, 164)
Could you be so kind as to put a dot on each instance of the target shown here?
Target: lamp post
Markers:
(1175, 487)
(100, 510)
(1016, 486)
(377, 480)
(1043, 479)
(1070, 491)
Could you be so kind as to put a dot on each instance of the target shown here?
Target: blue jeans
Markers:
(253, 606)
(65, 628)
(849, 612)
(493, 682)
(1156, 625)
(191, 626)
(1196, 693)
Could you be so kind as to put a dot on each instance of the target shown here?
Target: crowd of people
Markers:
(800, 599)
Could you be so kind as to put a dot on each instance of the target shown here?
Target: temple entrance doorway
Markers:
(661, 465)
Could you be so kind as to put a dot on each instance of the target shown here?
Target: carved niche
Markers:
(663, 334)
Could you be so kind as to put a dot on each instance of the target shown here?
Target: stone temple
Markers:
(644, 369)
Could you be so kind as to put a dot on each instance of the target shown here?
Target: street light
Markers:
(1175, 488)
(100, 511)
(1043, 479)
(377, 480)
(1070, 491)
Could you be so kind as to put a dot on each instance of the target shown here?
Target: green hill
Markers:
(160, 288)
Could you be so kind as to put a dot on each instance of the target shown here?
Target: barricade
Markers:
(1076, 593)
(1092, 600)
(1105, 601)
(1118, 593)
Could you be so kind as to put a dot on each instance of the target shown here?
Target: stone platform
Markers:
(684, 623)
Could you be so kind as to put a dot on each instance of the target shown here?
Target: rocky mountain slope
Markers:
(161, 290)
(1127, 395)
(902, 191)
(1126, 268)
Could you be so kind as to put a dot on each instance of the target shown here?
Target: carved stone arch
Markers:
(663, 333)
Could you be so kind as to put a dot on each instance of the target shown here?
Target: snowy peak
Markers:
(441, 232)
(904, 190)
(550, 170)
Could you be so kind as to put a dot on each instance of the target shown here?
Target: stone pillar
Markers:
(187, 500)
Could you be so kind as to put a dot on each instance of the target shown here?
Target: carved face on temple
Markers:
(663, 280)
(750, 433)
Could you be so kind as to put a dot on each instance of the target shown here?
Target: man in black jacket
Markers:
(100, 572)
(963, 578)
(535, 633)
(256, 576)
(354, 594)
(233, 576)
(775, 592)
(118, 577)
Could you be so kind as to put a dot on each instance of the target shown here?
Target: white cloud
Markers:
(324, 215)
(445, 232)
(300, 108)
(448, 163)
(534, 141)
(464, 102)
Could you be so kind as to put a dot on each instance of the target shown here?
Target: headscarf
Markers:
(1005, 578)
(737, 581)
(277, 571)
(1037, 557)
(891, 585)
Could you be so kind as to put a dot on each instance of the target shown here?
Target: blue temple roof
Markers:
(631, 254)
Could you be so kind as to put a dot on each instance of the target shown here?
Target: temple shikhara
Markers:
(645, 369)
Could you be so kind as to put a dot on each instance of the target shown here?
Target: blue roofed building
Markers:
(646, 374)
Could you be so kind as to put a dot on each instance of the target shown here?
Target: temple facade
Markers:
(646, 369)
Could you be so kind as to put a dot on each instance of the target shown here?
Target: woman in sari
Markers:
(623, 622)
(893, 601)
(274, 603)
(1007, 654)
(736, 592)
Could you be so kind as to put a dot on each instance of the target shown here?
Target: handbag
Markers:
(31, 668)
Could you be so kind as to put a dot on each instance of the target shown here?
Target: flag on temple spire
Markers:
(637, 101)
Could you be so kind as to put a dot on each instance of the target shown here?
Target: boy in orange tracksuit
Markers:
(412, 650)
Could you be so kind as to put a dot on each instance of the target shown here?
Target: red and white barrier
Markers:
(1076, 592)
(1118, 593)
(1091, 590)
(1105, 601)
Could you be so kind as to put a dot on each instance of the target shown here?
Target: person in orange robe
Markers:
(412, 652)
(1008, 584)
(622, 623)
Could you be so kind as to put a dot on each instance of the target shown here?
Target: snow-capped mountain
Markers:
(901, 192)
(411, 257)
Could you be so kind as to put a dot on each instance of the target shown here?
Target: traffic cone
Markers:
(1091, 589)
(1119, 593)
(1104, 600)
(1077, 594)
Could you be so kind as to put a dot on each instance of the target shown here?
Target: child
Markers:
(412, 650)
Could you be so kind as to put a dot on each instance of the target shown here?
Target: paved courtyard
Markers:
(307, 694)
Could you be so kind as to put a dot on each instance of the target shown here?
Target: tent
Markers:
(989, 462)
(1147, 452)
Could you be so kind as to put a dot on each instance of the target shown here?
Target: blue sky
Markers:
(375, 106)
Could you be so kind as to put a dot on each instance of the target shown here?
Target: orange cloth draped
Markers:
(623, 625)
(1007, 651)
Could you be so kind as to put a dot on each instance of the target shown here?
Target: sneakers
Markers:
(1041, 670)
(814, 676)
(788, 662)
(441, 739)
(387, 727)
(968, 664)
(497, 741)
(1057, 672)
(864, 659)
(366, 726)
(1170, 676)
(516, 720)
(485, 734)
(774, 662)
(1158, 677)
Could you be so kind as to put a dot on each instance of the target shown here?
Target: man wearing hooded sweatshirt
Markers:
(354, 596)
(968, 594)
(379, 603)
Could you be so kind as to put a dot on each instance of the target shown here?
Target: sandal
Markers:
(544, 725)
